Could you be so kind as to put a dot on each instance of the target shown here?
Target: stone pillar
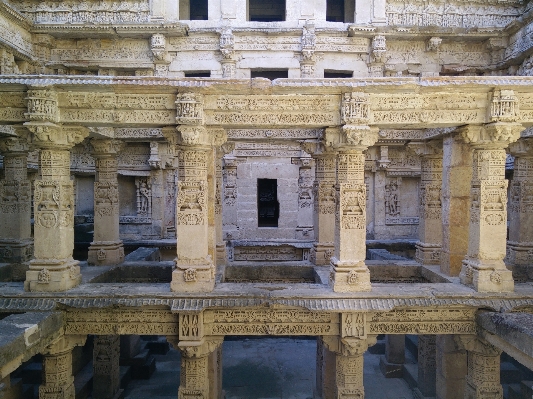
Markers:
(456, 177)
(349, 361)
(58, 381)
(520, 245)
(324, 203)
(106, 358)
(391, 364)
(16, 245)
(219, 203)
(428, 248)
(304, 228)
(451, 368)
(195, 231)
(53, 268)
(8, 391)
(427, 367)
(325, 371)
(349, 272)
(227, 49)
(483, 266)
(229, 197)
(200, 361)
(106, 248)
(483, 379)
(308, 59)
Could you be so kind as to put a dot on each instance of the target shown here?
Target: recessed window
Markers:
(267, 203)
(193, 9)
(340, 11)
(338, 74)
(266, 10)
(270, 73)
(198, 74)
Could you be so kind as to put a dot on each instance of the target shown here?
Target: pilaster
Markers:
(304, 228)
(53, 268)
(483, 378)
(106, 376)
(58, 381)
(349, 272)
(324, 199)
(349, 361)
(520, 244)
(220, 204)
(227, 49)
(106, 248)
(428, 248)
(16, 244)
(483, 266)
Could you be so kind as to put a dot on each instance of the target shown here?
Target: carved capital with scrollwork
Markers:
(492, 135)
(106, 148)
(52, 136)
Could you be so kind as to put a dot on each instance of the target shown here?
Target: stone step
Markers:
(410, 374)
(144, 371)
(83, 381)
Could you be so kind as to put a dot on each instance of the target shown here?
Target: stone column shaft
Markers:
(483, 378)
(456, 177)
(106, 358)
(451, 368)
(391, 364)
(427, 367)
(520, 245)
(349, 272)
(106, 248)
(16, 244)
(324, 214)
(428, 248)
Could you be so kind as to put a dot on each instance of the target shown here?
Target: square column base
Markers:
(390, 370)
(52, 275)
(193, 276)
(349, 276)
(487, 276)
(16, 251)
(322, 252)
(106, 253)
(427, 253)
(519, 254)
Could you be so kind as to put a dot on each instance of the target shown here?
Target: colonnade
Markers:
(469, 367)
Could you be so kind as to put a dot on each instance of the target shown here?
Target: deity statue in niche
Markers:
(392, 203)
(144, 192)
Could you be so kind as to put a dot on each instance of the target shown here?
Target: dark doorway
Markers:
(267, 202)
(270, 74)
(198, 9)
(266, 11)
(335, 11)
(338, 74)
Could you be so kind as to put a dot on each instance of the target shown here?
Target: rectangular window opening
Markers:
(267, 203)
(198, 74)
(335, 11)
(193, 9)
(266, 10)
(270, 73)
(338, 74)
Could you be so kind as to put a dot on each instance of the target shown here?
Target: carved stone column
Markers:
(451, 368)
(483, 378)
(349, 272)
(229, 196)
(304, 228)
(520, 245)
(200, 363)
(325, 371)
(58, 381)
(195, 212)
(428, 247)
(391, 364)
(349, 361)
(106, 248)
(324, 200)
(106, 357)
(222, 150)
(16, 245)
(427, 367)
(53, 268)
(483, 266)
(308, 60)
(227, 49)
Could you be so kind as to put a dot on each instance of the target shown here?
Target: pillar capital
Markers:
(492, 135)
(48, 135)
(430, 148)
(522, 147)
(15, 144)
(65, 343)
(357, 137)
(349, 346)
(473, 343)
(103, 148)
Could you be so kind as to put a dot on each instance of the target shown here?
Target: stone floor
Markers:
(265, 368)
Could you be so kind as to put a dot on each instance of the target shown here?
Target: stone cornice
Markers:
(113, 30)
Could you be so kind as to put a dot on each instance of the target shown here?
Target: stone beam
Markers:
(510, 332)
(25, 335)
